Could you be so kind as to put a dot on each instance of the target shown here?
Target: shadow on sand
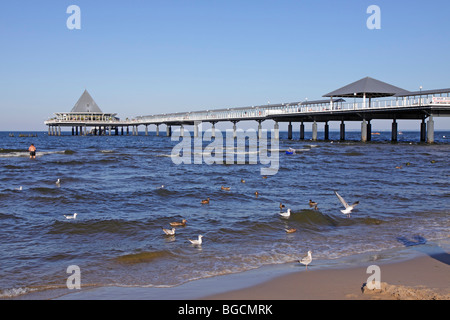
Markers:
(421, 244)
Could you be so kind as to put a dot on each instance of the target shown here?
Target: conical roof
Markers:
(86, 104)
(372, 88)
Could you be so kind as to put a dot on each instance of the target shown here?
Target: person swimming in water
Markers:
(32, 150)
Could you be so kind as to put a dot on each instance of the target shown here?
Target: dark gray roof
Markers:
(372, 88)
(424, 92)
(86, 104)
(327, 101)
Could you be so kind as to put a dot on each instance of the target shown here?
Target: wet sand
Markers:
(422, 278)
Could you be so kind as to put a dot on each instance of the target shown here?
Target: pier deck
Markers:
(419, 105)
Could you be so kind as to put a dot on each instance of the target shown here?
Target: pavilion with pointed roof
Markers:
(85, 109)
(85, 113)
(367, 88)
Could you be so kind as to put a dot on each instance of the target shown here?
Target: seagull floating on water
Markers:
(286, 214)
(348, 208)
(197, 242)
(160, 187)
(71, 216)
(225, 188)
(313, 204)
(306, 259)
(290, 230)
(169, 232)
(178, 224)
(19, 188)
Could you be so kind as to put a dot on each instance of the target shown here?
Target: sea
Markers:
(126, 189)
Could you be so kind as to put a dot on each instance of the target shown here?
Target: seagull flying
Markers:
(348, 208)
(306, 259)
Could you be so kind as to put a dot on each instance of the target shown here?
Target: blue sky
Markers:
(146, 57)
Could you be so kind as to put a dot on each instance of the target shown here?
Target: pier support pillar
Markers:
(369, 131)
(430, 129)
(394, 131)
(157, 130)
(59, 130)
(276, 129)
(290, 131)
(128, 130)
(168, 131)
(196, 130)
(109, 130)
(213, 130)
(76, 130)
(314, 131)
(302, 131)
(121, 131)
(49, 130)
(146, 129)
(364, 131)
(181, 131)
(326, 131)
(423, 131)
(342, 131)
(117, 131)
(234, 129)
(259, 130)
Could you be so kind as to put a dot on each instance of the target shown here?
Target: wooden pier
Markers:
(379, 101)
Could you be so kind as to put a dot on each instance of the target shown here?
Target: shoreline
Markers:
(419, 273)
(426, 277)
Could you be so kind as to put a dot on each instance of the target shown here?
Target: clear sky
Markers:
(155, 56)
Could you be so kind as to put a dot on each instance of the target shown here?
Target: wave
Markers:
(116, 226)
(143, 257)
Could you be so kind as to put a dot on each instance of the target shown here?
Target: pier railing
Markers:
(264, 112)
(259, 113)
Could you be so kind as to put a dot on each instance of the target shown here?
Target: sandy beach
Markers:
(422, 278)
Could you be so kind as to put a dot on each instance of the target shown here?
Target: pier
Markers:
(367, 99)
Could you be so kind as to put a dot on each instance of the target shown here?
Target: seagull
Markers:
(306, 259)
(169, 232)
(178, 224)
(286, 214)
(160, 187)
(58, 182)
(291, 230)
(242, 180)
(313, 204)
(225, 188)
(71, 216)
(19, 188)
(348, 208)
(197, 242)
